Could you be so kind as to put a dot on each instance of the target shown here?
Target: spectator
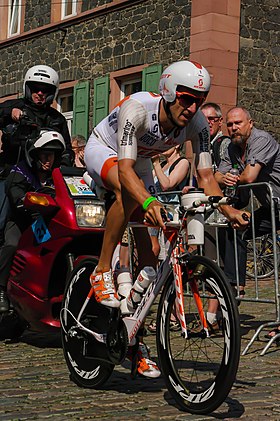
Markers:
(170, 174)
(30, 174)
(40, 88)
(219, 142)
(78, 145)
(257, 155)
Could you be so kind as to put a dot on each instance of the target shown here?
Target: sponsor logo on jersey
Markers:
(128, 132)
(149, 139)
(112, 119)
(155, 128)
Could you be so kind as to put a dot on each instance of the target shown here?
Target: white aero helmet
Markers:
(188, 74)
(48, 140)
(41, 74)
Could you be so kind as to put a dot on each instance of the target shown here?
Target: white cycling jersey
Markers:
(132, 130)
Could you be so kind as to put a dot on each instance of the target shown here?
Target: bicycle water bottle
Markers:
(229, 191)
(144, 279)
(195, 219)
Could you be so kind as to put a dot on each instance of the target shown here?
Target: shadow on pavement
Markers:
(41, 340)
(123, 383)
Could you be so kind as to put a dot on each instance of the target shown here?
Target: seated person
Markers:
(78, 143)
(31, 174)
(170, 174)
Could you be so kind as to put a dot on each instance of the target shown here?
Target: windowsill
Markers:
(63, 24)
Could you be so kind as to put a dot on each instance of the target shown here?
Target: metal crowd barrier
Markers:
(217, 225)
(216, 222)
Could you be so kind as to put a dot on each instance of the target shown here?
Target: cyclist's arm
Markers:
(133, 121)
(131, 182)
(135, 188)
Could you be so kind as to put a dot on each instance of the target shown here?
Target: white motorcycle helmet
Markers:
(41, 74)
(188, 74)
(48, 140)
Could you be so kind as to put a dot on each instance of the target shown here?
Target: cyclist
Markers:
(118, 154)
(30, 174)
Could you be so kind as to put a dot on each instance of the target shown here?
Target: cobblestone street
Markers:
(35, 383)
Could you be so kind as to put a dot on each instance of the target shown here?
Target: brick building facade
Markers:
(104, 49)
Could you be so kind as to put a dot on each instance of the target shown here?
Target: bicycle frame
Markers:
(134, 322)
(171, 262)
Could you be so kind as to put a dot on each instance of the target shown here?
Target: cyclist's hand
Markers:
(153, 214)
(239, 219)
(186, 189)
(16, 114)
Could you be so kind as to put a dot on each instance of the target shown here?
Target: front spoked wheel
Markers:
(87, 359)
(199, 370)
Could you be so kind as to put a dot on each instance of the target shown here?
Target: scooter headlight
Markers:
(90, 213)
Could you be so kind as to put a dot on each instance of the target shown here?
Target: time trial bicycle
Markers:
(199, 365)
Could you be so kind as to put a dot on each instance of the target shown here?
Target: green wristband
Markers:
(147, 202)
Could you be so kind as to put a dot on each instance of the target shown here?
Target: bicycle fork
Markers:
(179, 300)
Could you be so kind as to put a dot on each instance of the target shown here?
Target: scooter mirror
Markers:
(40, 202)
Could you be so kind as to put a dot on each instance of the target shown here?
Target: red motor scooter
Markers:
(70, 226)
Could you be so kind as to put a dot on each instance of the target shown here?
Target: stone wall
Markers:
(259, 71)
(91, 4)
(37, 13)
(156, 31)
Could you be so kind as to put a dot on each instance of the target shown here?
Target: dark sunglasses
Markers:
(39, 87)
(186, 100)
(214, 119)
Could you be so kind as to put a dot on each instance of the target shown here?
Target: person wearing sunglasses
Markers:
(118, 158)
(40, 89)
(25, 117)
(219, 141)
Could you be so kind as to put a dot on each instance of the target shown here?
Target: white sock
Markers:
(211, 317)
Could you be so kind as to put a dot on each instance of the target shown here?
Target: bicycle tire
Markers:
(84, 355)
(264, 257)
(199, 371)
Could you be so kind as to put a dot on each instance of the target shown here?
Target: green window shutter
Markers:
(101, 99)
(81, 108)
(150, 78)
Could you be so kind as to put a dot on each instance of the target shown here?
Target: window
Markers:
(129, 87)
(68, 8)
(65, 106)
(110, 89)
(14, 17)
